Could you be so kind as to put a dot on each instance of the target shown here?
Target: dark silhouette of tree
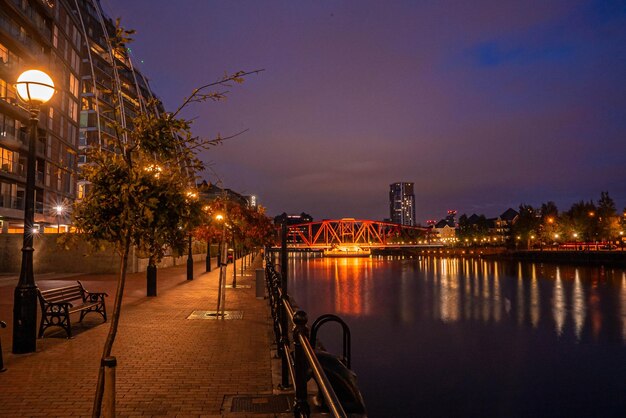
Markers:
(527, 225)
(580, 222)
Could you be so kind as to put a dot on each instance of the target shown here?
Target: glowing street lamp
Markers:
(59, 210)
(34, 88)
(220, 218)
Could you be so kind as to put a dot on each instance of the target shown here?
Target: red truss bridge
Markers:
(349, 235)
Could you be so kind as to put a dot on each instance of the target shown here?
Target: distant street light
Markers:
(191, 195)
(59, 210)
(34, 88)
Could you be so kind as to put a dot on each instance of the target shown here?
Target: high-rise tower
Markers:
(402, 203)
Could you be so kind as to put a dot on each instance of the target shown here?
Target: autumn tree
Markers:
(138, 195)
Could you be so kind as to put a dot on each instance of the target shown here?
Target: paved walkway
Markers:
(168, 365)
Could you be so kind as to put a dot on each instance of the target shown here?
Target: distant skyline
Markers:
(483, 105)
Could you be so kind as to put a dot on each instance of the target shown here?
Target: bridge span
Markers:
(349, 236)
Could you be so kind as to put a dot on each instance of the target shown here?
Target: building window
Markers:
(55, 36)
(73, 85)
(4, 54)
(73, 109)
(80, 194)
(7, 127)
(7, 160)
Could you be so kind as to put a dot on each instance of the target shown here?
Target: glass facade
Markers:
(95, 89)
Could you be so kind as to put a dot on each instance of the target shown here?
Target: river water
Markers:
(450, 337)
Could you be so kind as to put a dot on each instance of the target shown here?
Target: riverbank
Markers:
(583, 257)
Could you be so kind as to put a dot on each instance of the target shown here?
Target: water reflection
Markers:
(581, 303)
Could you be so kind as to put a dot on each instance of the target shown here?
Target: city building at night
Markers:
(70, 41)
(402, 203)
(209, 192)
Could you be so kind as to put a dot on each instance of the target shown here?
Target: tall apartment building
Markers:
(402, 203)
(68, 40)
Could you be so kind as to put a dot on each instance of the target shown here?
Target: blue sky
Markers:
(483, 104)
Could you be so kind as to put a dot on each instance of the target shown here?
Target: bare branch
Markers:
(236, 77)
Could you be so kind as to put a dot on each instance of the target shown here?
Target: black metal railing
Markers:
(301, 362)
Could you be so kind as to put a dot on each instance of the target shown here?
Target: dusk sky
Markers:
(482, 104)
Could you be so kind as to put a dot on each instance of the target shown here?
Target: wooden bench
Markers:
(57, 305)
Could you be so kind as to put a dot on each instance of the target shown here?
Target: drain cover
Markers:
(262, 404)
(239, 286)
(216, 315)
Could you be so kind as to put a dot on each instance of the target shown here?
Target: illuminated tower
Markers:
(402, 203)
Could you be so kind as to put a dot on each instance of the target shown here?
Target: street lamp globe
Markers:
(34, 86)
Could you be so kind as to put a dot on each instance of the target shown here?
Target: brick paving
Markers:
(167, 365)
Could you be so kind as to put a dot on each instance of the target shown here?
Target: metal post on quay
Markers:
(34, 88)
(208, 256)
(189, 261)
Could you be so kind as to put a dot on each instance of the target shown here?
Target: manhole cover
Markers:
(262, 404)
(216, 315)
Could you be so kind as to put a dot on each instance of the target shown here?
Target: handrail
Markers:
(327, 390)
(346, 334)
(305, 358)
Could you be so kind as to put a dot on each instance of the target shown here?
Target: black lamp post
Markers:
(189, 261)
(208, 255)
(191, 196)
(35, 88)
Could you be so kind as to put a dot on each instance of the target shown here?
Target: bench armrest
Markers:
(57, 306)
(95, 296)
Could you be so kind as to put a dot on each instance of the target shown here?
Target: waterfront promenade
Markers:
(168, 365)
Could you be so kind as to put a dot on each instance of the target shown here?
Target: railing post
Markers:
(283, 257)
(284, 343)
(301, 405)
(108, 404)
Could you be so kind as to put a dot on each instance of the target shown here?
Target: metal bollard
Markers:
(260, 283)
(2, 369)
(108, 402)
(301, 405)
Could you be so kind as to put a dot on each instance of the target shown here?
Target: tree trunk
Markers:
(115, 317)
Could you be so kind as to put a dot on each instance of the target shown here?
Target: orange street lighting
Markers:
(60, 210)
(35, 88)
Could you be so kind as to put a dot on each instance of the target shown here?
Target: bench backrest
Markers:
(63, 294)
